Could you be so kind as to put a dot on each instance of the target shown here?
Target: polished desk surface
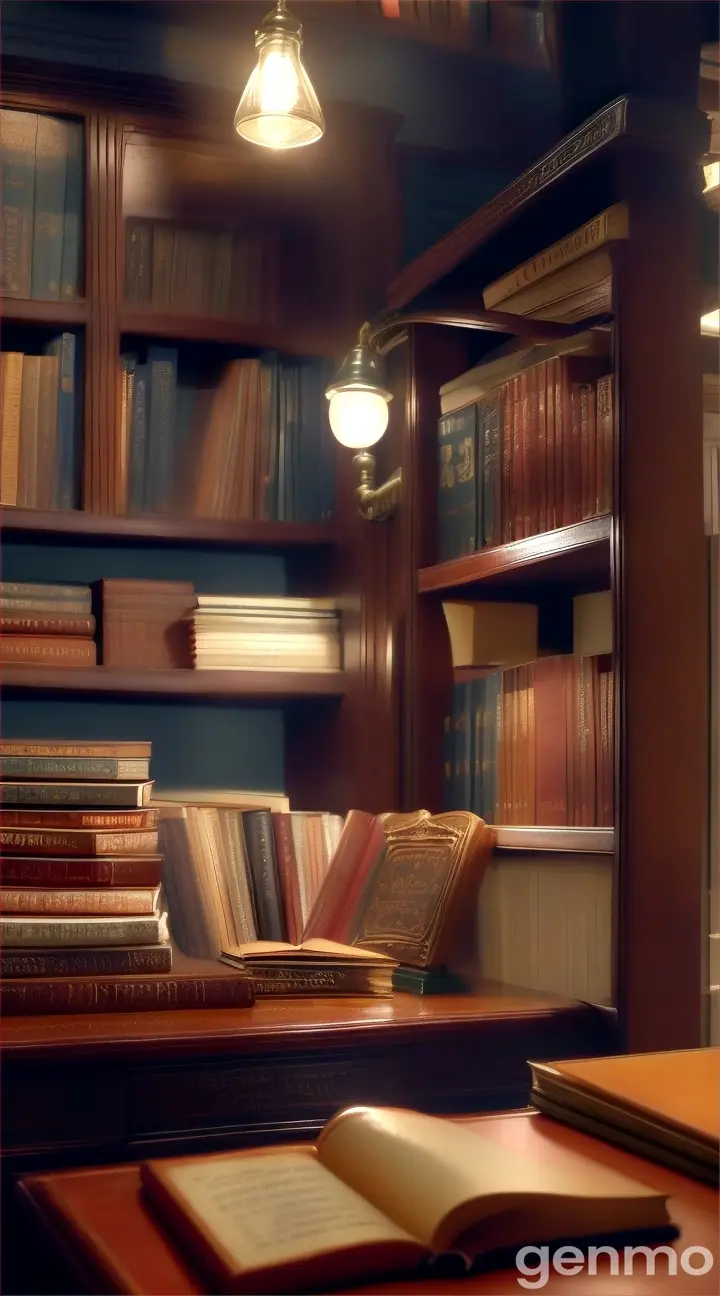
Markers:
(270, 1022)
(122, 1227)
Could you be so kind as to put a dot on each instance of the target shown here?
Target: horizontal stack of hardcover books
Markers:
(235, 632)
(39, 427)
(534, 744)
(80, 872)
(46, 625)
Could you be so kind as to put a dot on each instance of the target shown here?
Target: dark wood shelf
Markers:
(577, 555)
(17, 310)
(573, 840)
(169, 530)
(245, 333)
(254, 687)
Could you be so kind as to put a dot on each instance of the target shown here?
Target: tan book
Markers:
(609, 225)
(29, 412)
(383, 1192)
(11, 363)
(662, 1105)
(71, 901)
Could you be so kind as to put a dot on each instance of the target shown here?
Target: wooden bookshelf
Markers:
(55, 314)
(576, 556)
(145, 528)
(246, 685)
(304, 341)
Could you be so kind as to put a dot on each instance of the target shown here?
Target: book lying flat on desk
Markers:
(662, 1105)
(384, 1191)
(314, 967)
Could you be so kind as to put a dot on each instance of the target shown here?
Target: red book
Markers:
(551, 742)
(98, 871)
(288, 876)
(362, 838)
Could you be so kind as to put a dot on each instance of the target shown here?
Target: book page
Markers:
(317, 946)
(270, 1209)
(420, 1170)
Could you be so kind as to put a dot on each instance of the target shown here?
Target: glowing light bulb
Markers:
(358, 418)
(278, 82)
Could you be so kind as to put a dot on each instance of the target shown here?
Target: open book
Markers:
(384, 1191)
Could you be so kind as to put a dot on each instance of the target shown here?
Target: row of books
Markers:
(72, 879)
(534, 453)
(39, 426)
(219, 273)
(241, 633)
(534, 744)
(42, 206)
(163, 625)
(256, 445)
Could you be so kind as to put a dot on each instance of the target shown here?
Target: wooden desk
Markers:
(114, 1212)
(89, 1089)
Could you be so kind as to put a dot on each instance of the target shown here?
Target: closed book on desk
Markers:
(301, 1218)
(661, 1105)
(316, 967)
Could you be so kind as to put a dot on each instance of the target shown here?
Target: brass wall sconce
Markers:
(359, 395)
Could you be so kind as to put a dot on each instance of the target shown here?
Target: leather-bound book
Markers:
(430, 872)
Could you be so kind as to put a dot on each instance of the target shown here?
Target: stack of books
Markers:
(42, 164)
(80, 869)
(46, 625)
(234, 632)
(39, 427)
(142, 623)
(219, 273)
(250, 441)
(534, 744)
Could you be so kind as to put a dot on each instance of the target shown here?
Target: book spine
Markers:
(464, 749)
(141, 994)
(76, 594)
(77, 627)
(122, 820)
(23, 932)
(27, 481)
(40, 767)
(98, 900)
(162, 365)
(286, 982)
(65, 494)
(49, 215)
(10, 416)
(489, 413)
(148, 960)
(71, 276)
(138, 441)
(80, 794)
(457, 484)
(47, 429)
(540, 475)
(47, 651)
(27, 841)
(18, 135)
(287, 868)
(26, 871)
(448, 764)
(138, 264)
(75, 750)
(516, 471)
(605, 443)
(260, 846)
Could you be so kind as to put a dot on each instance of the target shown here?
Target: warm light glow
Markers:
(358, 418)
(279, 108)
(710, 323)
(712, 176)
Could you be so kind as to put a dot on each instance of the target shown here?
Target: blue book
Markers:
(328, 446)
(65, 484)
(477, 710)
(463, 747)
(18, 134)
(49, 216)
(457, 484)
(160, 446)
(71, 273)
(138, 441)
(490, 745)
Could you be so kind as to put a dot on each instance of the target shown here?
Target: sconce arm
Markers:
(377, 503)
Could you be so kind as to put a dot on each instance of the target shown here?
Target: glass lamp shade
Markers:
(358, 418)
(279, 108)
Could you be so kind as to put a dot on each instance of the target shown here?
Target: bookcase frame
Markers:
(340, 730)
(651, 551)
